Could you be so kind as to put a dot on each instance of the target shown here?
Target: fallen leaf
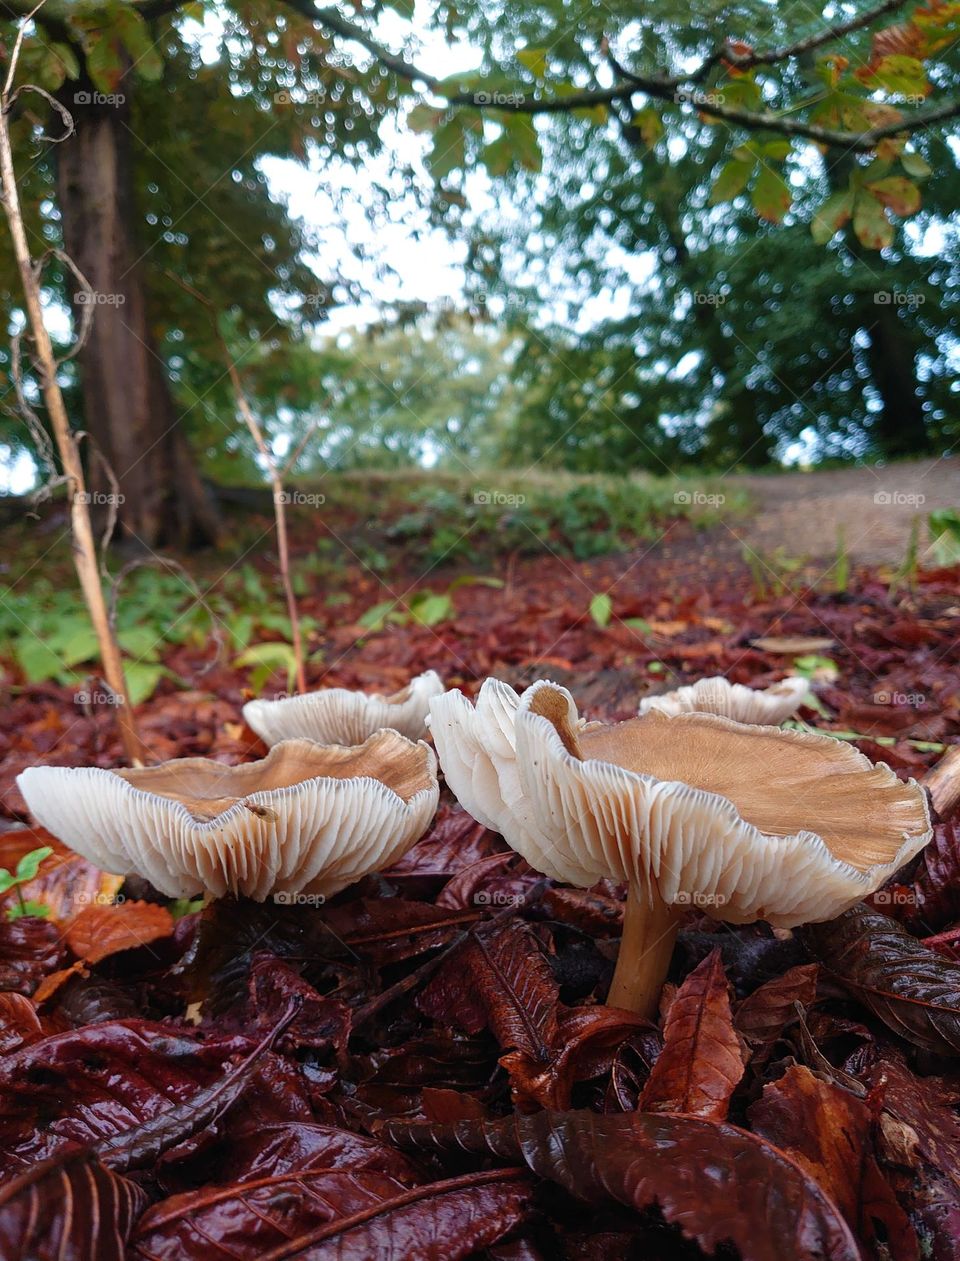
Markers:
(701, 1063)
(100, 931)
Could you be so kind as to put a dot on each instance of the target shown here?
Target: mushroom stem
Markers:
(649, 932)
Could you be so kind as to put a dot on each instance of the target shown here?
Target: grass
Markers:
(345, 528)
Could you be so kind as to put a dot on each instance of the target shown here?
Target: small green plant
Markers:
(944, 528)
(601, 609)
(26, 870)
(907, 572)
(841, 566)
(424, 608)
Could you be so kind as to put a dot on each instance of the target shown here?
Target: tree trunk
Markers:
(900, 427)
(129, 412)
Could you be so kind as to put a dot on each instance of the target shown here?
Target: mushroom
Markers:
(335, 715)
(741, 822)
(306, 819)
(769, 706)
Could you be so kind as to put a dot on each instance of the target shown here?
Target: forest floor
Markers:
(424, 1066)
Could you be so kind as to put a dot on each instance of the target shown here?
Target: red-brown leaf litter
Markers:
(424, 1068)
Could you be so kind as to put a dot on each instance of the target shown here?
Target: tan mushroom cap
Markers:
(715, 695)
(306, 818)
(336, 715)
(744, 822)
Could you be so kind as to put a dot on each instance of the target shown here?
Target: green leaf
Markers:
(499, 156)
(944, 527)
(915, 164)
(375, 618)
(29, 864)
(831, 216)
(535, 60)
(266, 660)
(639, 624)
(898, 74)
(39, 910)
(898, 194)
(449, 151)
(105, 62)
(731, 181)
(180, 907)
(142, 642)
(7, 880)
(136, 37)
(601, 609)
(473, 580)
(36, 659)
(424, 118)
(428, 609)
(240, 629)
(649, 123)
(523, 138)
(870, 223)
(142, 679)
(771, 195)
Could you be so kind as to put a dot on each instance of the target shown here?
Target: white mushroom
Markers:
(769, 706)
(335, 715)
(306, 818)
(742, 822)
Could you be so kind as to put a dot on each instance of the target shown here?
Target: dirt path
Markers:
(803, 512)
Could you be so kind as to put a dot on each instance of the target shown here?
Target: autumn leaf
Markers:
(898, 194)
(827, 1131)
(99, 931)
(701, 1063)
(912, 989)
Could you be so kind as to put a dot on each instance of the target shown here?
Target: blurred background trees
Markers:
(654, 268)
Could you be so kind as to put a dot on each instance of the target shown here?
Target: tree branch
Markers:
(663, 89)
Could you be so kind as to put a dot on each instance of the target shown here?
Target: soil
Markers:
(802, 512)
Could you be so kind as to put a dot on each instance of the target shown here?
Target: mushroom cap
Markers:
(744, 822)
(306, 818)
(715, 695)
(336, 715)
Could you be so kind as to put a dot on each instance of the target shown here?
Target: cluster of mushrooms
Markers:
(701, 801)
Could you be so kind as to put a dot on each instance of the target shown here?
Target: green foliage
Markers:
(944, 528)
(601, 609)
(26, 870)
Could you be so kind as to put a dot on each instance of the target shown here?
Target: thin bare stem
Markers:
(276, 476)
(84, 546)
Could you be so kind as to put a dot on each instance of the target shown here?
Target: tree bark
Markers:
(900, 427)
(129, 412)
